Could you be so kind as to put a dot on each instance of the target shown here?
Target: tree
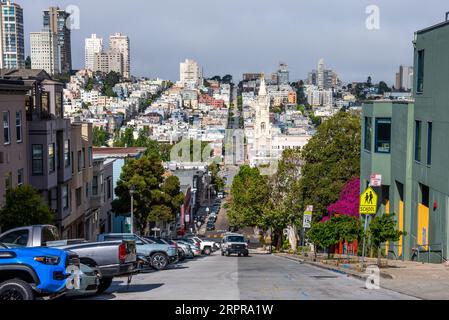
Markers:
(125, 139)
(217, 181)
(227, 79)
(369, 82)
(383, 87)
(331, 159)
(145, 174)
(28, 62)
(249, 194)
(111, 79)
(89, 84)
(383, 229)
(100, 137)
(24, 206)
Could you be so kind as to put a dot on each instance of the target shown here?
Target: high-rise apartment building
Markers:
(190, 73)
(404, 78)
(283, 74)
(45, 51)
(93, 45)
(55, 20)
(321, 74)
(119, 43)
(324, 78)
(12, 48)
(109, 61)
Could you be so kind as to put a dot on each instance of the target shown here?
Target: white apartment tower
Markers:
(45, 52)
(119, 43)
(190, 74)
(93, 45)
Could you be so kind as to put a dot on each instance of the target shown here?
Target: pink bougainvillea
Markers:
(349, 201)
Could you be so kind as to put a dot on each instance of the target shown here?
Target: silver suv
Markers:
(234, 243)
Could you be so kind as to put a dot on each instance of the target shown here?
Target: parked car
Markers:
(196, 251)
(188, 253)
(26, 273)
(159, 255)
(89, 281)
(210, 226)
(112, 259)
(207, 247)
(233, 243)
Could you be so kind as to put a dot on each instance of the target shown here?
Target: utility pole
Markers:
(132, 190)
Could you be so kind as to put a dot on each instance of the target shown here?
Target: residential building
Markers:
(77, 223)
(283, 75)
(119, 44)
(12, 39)
(416, 178)
(109, 61)
(190, 74)
(56, 20)
(14, 141)
(404, 78)
(45, 51)
(49, 139)
(252, 76)
(93, 45)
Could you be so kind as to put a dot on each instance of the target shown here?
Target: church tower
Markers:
(262, 128)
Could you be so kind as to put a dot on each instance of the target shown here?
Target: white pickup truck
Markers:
(207, 247)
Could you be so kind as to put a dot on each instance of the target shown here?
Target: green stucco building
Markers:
(408, 143)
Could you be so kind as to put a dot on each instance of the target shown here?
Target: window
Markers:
(87, 190)
(6, 130)
(8, 181)
(420, 79)
(38, 159)
(84, 158)
(89, 154)
(418, 141)
(383, 135)
(20, 177)
(368, 133)
(79, 195)
(65, 197)
(429, 143)
(73, 168)
(67, 153)
(95, 186)
(51, 157)
(109, 188)
(19, 126)
(79, 161)
(16, 238)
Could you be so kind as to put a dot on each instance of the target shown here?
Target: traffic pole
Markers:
(364, 238)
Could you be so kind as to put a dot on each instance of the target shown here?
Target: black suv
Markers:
(234, 243)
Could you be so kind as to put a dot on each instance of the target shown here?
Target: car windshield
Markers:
(158, 241)
(236, 239)
(3, 245)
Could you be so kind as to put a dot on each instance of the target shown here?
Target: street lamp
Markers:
(132, 191)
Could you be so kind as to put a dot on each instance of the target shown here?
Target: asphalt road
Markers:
(258, 277)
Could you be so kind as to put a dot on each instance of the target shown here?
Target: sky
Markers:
(238, 36)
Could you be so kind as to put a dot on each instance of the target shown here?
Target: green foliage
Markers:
(331, 159)
(383, 229)
(24, 206)
(300, 108)
(155, 199)
(249, 197)
(217, 181)
(125, 138)
(337, 229)
(90, 84)
(111, 79)
(100, 137)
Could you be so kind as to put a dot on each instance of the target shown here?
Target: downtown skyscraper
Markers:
(12, 47)
(55, 20)
(119, 43)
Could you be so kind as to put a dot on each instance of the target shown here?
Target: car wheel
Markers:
(246, 254)
(16, 290)
(105, 283)
(240, 254)
(159, 261)
(207, 251)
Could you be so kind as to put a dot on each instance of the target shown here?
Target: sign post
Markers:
(368, 207)
(307, 222)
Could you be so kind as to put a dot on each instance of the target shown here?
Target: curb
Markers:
(335, 269)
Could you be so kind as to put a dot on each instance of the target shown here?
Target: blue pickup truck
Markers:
(26, 273)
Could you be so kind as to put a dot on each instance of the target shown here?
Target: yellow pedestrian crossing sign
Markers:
(368, 202)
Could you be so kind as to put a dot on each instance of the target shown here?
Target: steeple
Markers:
(263, 87)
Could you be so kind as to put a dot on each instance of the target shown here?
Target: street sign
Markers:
(368, 202)
(307, 221)
(376, 180)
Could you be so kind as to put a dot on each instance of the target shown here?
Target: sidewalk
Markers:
(424, 281)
